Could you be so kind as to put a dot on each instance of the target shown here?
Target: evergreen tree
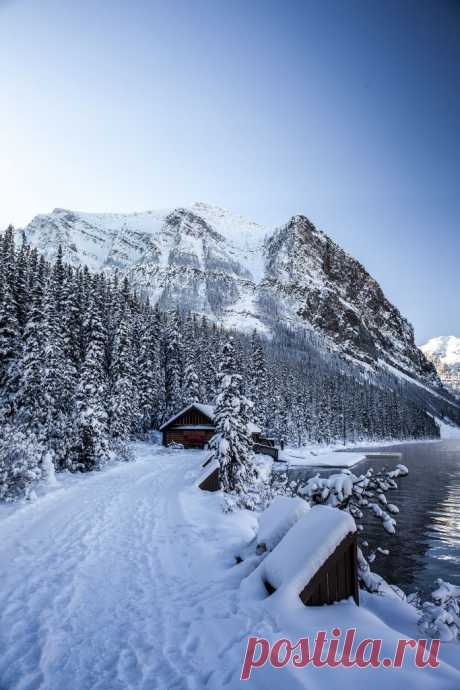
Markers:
(9, 345)
(30, 401)
(173, 365)
(58, 383)
(150, 378)
(92, 448)
(123, 393)
(232, 442)
(258, 383)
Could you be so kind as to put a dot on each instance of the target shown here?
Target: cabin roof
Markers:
(208, 411)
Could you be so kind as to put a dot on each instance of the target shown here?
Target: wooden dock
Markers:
(384, 456)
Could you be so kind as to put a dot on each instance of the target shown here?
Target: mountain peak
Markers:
(445, 349)
(241, 274)
(444, 352)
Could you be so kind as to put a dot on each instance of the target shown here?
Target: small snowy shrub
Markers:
(20, 463)
(440, 618)
(121, 450)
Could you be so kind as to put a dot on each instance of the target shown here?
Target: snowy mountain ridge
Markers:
(445, 349)
(444, 352)
(242, 275)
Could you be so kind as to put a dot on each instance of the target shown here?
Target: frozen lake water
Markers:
(427, 542)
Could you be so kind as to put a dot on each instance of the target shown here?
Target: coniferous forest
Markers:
(87, 365)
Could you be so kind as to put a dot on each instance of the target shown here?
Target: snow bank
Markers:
(448, 430)
(320, 457)
(304, 549)
(282, 513)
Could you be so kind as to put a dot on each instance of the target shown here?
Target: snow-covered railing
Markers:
(316, 559)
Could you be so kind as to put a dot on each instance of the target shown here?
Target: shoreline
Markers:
(327, 456)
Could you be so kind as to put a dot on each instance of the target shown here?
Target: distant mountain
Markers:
(444, 352)
(243, 275)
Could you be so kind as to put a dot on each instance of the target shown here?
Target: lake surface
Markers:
(427, 540)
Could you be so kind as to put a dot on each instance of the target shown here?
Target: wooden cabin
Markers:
(193, 427)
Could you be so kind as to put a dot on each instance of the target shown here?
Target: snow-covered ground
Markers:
(448, 430)
(317, 456)
(127, 579)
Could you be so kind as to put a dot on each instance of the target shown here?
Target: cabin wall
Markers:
(189, 438)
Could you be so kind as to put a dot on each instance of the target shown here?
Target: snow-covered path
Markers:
(126, 580)
(97, 582)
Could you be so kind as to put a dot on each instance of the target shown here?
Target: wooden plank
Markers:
(211, 482)
(336, 579)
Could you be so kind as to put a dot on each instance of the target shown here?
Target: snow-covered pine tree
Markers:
(232, 442)
(258, 381)
(20, 286)
(123, 407)
(59, 380)
(9, 345)
(173, 364)
(191, 387)
(207, 345)
(30, 401)
(150, 380)
(92, 442)
(191, 381)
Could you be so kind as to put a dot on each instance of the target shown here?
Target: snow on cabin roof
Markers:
(208, 411)
(306, 546)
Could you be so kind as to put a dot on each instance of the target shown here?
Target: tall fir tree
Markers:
(92, 447)
(232, 443)
(173, 364)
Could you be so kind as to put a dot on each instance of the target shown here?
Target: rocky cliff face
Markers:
(335, 294)
(243, 276)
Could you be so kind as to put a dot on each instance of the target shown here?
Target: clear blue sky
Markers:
(345, 110)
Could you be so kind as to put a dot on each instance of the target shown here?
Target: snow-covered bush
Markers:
(355, 494)
(440, 618)
(20, 463)
(375, 583)
(122, 450)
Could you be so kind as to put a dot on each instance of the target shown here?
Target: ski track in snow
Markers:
(103, 588)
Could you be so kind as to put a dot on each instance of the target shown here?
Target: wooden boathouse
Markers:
(193, 427)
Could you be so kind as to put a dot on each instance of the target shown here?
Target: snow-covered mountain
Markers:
(242, 275)
(444, 352)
